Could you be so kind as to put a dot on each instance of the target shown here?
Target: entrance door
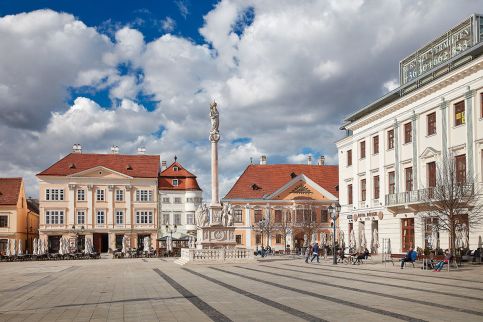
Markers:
(119, 241)
(407, 233)
(101, 242)
(54, 244)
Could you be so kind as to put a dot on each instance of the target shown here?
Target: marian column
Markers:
(215, 206)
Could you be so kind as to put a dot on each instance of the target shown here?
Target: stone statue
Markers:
(230, 216)
(201, 215)
(215, 122)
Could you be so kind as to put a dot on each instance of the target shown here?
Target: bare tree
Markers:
(454, 200)
(285, 225)
(266, 226)
(309, 223)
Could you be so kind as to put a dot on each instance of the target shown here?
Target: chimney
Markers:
(141, 150)
(163, 165)
(321, 160)
(77, 148)
(263, 159)
(309, 159)
(114, 149)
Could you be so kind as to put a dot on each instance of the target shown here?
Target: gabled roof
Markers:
(10, 190)
(258, 181)
(186, 180)
(137, 166)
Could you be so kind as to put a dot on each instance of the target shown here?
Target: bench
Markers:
(399, 257)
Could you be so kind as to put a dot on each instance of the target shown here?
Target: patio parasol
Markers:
(9, 246)
(35, 247)
(375, 239)
(20, 251)
(14, 253)
(146, 244)
(352, 240)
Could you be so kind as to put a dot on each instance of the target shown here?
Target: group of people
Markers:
(263, 251)
(412, 255)
(312, 250)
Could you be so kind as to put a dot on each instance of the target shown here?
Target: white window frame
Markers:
(54, 194)
(5, 215)
(175, 182)
(144, 195)
(190, 218)
(164, 216)
(54, 217)
(144, 217)
(119, 195)
(100, 193)
(178, 200)
(119, 217)
(177, 218)
(83, 216)
(98, 212)
(166, 200)
(81, 193)
(189, 200)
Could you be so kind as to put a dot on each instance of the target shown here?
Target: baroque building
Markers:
(388, 159)
(99, 196)
(283, 205)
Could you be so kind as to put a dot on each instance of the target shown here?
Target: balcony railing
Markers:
(422, 195)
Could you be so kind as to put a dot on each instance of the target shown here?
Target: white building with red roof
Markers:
(179, 197)
(283, 204)
(100, 196)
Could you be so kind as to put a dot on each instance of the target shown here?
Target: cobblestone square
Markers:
(274, 289)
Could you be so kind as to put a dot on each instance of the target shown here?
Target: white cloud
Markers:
(168, 24)
(391, 84)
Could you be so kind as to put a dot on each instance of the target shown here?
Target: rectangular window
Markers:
(376, 187)
(390, 139)
(460, 161)
(408, 128)
(189, 200)
(119, 195)
(100, 195)
(391, 176)
(144, 195)
(190, 218)
(100, 217)
(324, 216)
(238, 239)
(459, 113)
(3, 221)
(431, 123)
(177, 219)
(119, 217)
(165, 218)
(363, 149)
(431, 171)
(144, 217)
(258, 215)
(54, 217)
(278, 239)
(363, 190)
(238, 213)
(81, 195)
(375, 144)
(409, 178)
(278, 216)
(177, 200)
(349, 194)
(54, 194)
(349, 158)
(81, 217)
(165, 199)
(175, 182)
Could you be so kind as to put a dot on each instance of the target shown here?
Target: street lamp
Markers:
(334, 212)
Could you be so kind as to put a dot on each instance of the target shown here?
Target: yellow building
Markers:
(283, 204)
(19, 219)
(103, 197)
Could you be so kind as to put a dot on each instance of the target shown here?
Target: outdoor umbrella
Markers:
(341, 239)
(9, 246)
(363, 240)
(14, 253)
(20, 252)
(61, 246)
(146, 244)
(388, 251)
(123, 250)
(375, 239)
(323, 240)
(352, 240)
(35, 247)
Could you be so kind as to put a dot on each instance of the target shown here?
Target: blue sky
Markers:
(143, 73)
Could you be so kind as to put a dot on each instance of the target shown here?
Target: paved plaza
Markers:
(275, 289)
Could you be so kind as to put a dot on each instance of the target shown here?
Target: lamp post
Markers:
(334, 212)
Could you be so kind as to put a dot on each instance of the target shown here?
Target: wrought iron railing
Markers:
(422, 195)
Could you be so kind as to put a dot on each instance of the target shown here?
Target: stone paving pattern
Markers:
(275, 289)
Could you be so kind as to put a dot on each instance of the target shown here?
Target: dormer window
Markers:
(72, 166)
(175, 168)
(175, 182)
(293, 175)
(255, 187)
(129, 167)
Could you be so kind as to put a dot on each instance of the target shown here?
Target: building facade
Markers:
(19, 218)
(179, 197)
(283, 205)
(390, 155)
(99, 196)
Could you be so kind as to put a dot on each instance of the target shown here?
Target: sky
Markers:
(134, 74)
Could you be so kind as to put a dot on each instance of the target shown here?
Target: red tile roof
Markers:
(137, 166)
(186, 180)
(9, 190)
(270, 177)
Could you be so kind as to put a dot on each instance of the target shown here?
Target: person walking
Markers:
(307, 253)
(315, 253)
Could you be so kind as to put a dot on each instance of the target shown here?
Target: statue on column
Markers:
(201, 216)
(215, 122)
(227, 215)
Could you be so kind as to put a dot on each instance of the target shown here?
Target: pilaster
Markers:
(396, 155)
(90, 205)
(248, 236)
(444, 128)
(469, 131)
(415, 150)
(71, 211)
(128, 205)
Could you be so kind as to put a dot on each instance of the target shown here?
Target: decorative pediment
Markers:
(302, 189)
(429, 152)
(100, 172)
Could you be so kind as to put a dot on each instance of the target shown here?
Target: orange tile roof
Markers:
(9, 190)
(270, 177)
(137, 166)
(186, 180)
